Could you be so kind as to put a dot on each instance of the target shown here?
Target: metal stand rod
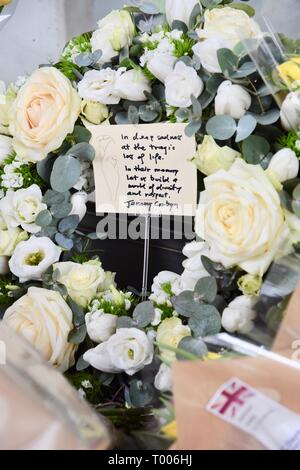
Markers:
(146, 257)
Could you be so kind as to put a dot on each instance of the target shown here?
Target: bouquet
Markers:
(184, 61)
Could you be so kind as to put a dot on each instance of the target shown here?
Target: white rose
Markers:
(5, 147)
(131, 85)
(241, 218)
(193, 267)
(163, 379)
(9, 237)
(45, 320)
(81, 280)
(290, 111)
(170, 332)
(4, 268)
(180, 10)
(33, 257)
(232, 100)
(100, 86)
(115, 32)
(229, 24)
(285, 165)
(22, 207)
(207, 50)
(165, 285)
(210, 157)
(161, 65)
(100, 326)
(4, 121)
(44, 112)
(78, 201)
(239, 316)
(129, 350)
(181, 84)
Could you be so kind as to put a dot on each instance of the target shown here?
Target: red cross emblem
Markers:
(231, 398)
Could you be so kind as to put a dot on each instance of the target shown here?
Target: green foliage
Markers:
(144, 314)
(89, 382)
(290, 140)
(255, 148)
(183, 46)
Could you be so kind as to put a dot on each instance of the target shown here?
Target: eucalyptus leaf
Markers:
(65, 173)
(180, 26)
(206, 321)
(53, 197)
(81, 134)
(246, 126)
(64, 242)
(221, 127)
(83, 151)
(283, 277)
(197, 108)
(245, 47)
(255, 148)
(213, 83)
(59, 211)
(121, 118)
(144, 314)
(246, 69)
(44, 168)
(246, 8)
(69, 224)
(78, 313)
(268, 118)
(141, 394)
(78, 335)
(192, 128)
(196, 13)
(149, 9)
(82, 364)
(195, 346)
(207, 289)
(228, 61)
(133, 115)
(182, 114)
(185, 304)
(146, 114)
(126, 322)
(44, 218)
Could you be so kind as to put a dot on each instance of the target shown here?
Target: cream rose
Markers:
(81, 280)
(170, 332)
(5, 147)
(241, 219)
(45, 320)
(4, 121)
(44, 112)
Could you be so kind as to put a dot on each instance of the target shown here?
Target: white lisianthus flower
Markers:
(241, 218)
(4, 268)
(210, 157)
(33, 257)
(290, 112)
(163, 379)
(161, 64)
(22, 207)
(206, 51)
(81, 280)
(129, 350)
(100, 326)
(100, 86)
(285, 165)
(79, 201)
(232, 100)
(9, 237)
(132, 85)
(180, 10)
(181, 84)
(193, 267)
(239, 316)
(45, 320)
(114, 32)
(44, 112)
(165, 285)
(157, 317)
(5, 147)
(170, 332)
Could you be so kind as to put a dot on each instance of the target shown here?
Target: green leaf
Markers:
(255, 148)
(207, 289)
(126, 322)
(83, 151)
(211, 3)
(78, 335)
(283, 277)
(246, 8)
(121, 118)
(246, 126)
(144, 314)
(59, 211)
(206, 321)
(228, 61)
(195, 346)
(64, 242)
(182, 114)
(185, 304)
(141, 393)
(180, 26)
(65, 173)
(197, 108)
(221, 127)
(44, 218)
(82, 364)
(133, 115)
(248, 68)
(245, 47)
(192, 128)
(149, 8)
(296, 208)
(146, 114)
(296, 192)
(213, 83)
(44, 168)
(268, 118)
(69, 224)
(194, 16)
(81, 134)
(78, 313)
(53, 197)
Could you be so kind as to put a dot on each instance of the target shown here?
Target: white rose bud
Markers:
(163, 379)
(180, 10)
(290, 112)
(45, 320)
(232, 100)
(78, 201)
(181, 84)
(206, 51)
(33, 257)
(131, 85)
(5, 147)
(239, 316)
(129, 351)
(285, 165)
(4, 268)
(100, 326)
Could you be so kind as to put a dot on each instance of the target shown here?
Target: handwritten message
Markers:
(144, 169)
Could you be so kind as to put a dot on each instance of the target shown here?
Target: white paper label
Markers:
(273, 425)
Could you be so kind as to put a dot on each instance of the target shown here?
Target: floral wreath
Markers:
(174, 61)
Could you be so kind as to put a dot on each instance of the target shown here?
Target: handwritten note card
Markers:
(144, 169)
